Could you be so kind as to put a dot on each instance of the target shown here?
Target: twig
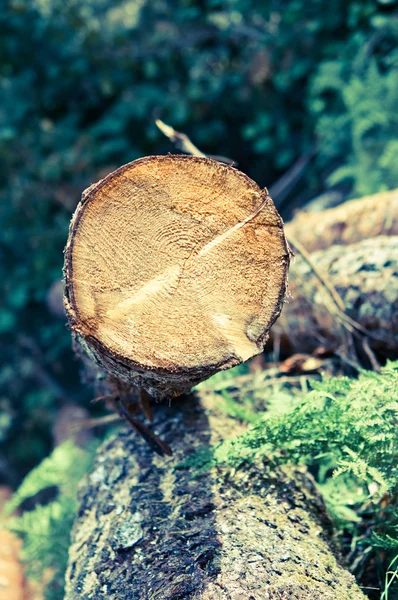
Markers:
(107, 398)
(223, 159)
(354, 364)
(183, 143)
(370, 354)
(155, 443)
(325, 282)
(281, 188)
(91, 423)
(181, 140)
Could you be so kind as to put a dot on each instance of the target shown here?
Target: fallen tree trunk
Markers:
(348, 223)
(365, 275)
(354, 248)
(155, 529)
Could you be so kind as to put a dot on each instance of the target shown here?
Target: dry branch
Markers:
(181, 140)
(150, 529)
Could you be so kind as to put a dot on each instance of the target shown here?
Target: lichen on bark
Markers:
(151, 528)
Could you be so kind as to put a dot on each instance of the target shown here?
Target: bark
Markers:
(157, 529)
(348, 223)
(175, 268)
(365, 274)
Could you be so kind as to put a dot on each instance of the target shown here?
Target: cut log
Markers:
(348, 223)
(156, 529)
(365, 274)
(175, 268)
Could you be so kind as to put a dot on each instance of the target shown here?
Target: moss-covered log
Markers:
(365, 274)
(151, 528)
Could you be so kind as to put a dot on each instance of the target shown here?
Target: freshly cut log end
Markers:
(175, 268)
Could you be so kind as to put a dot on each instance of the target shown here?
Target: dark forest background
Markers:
(308, 85)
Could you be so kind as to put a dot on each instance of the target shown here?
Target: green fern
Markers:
(349, 422)
(360, 123)
(345, 431)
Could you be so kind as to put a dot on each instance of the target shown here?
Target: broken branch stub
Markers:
(175, 268)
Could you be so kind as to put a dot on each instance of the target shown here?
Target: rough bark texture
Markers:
(175, 268)
(365, 274)
(153, 529)
(348, 223)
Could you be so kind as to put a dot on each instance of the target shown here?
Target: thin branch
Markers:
(325, 282)
(97, 422)
(370, 354)
(283, 186)
(183, 143)
(181, 140)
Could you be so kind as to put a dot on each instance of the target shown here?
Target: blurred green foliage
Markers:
(45, 530)
(81, 83)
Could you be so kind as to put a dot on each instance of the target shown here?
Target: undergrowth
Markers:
(345, 431)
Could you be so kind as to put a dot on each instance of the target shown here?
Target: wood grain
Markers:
(175, 264)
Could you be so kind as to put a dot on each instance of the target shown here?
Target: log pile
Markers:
(355, 249)
(176, 268)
